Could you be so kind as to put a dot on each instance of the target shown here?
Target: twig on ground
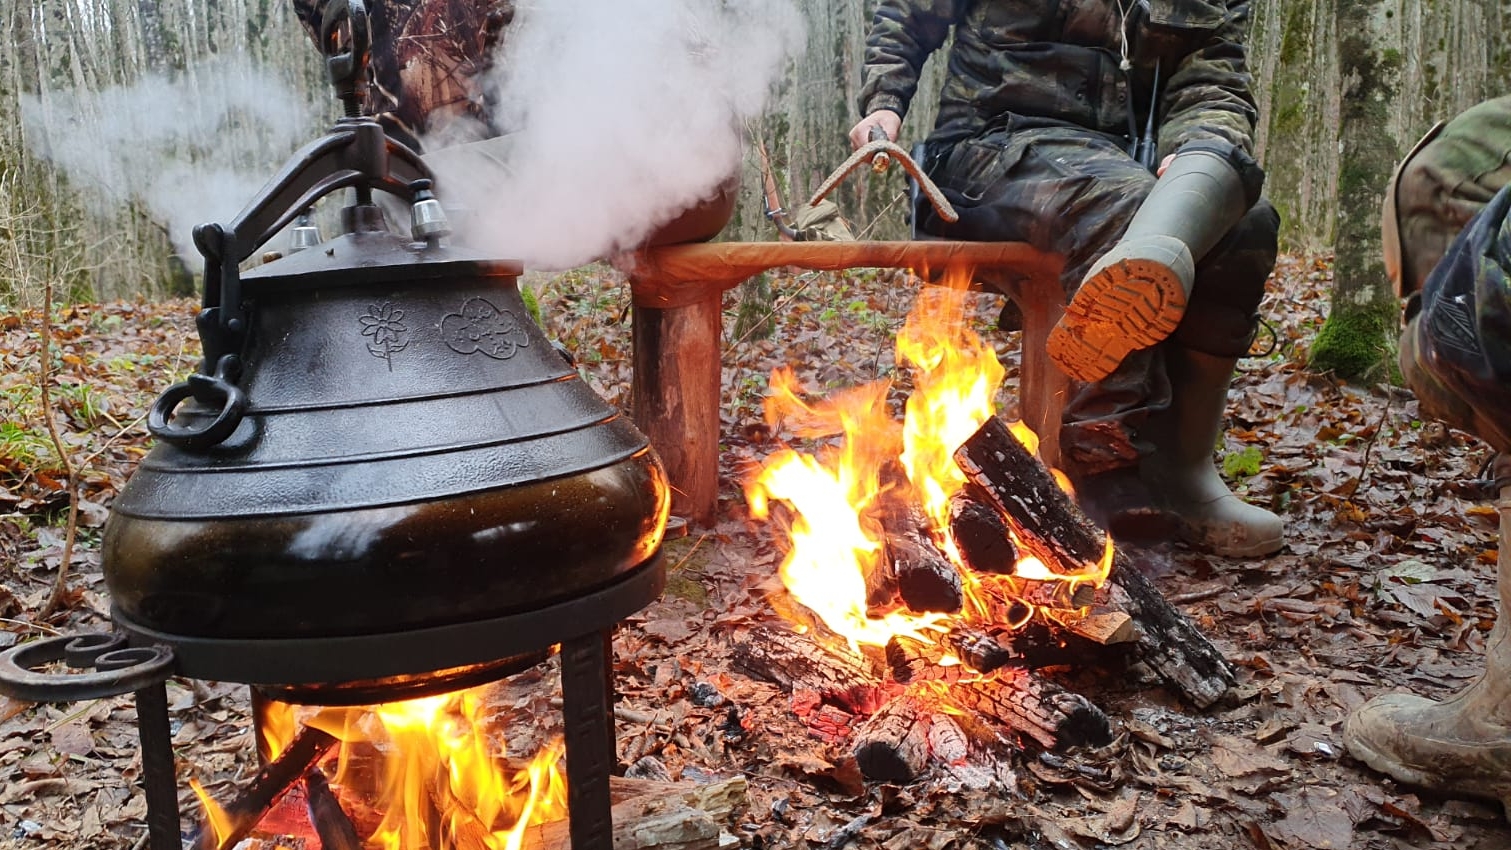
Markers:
(70, 481)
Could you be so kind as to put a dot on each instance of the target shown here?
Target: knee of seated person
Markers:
(1219, 330)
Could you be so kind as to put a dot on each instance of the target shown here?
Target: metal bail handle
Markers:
(118, 668)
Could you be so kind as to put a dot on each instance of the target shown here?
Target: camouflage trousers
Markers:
(1072, 192)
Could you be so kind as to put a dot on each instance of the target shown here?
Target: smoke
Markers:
(191, 147)
(619, 115)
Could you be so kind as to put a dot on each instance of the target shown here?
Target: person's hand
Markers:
(1164, 164)
(889, 122)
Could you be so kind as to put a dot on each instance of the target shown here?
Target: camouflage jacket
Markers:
(1028, 62)
(427, 59)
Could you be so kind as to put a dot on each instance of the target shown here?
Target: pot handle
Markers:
(216, 392)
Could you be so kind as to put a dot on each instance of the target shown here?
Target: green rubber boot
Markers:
(1462, 745)
(1135, 294)
(1180, 470)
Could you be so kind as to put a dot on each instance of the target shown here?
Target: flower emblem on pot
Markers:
(479, 326)
(385, 324)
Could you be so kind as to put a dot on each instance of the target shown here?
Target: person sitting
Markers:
(1052, 119)
(1447, 233)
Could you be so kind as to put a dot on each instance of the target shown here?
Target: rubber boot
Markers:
(1462, 745)
(1180, 470)
(1135, 294)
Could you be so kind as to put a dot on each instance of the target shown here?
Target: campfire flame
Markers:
(835, 494)
(426, 773)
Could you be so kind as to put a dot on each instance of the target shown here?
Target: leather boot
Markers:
(1462, 745)
(1180, 470)
(1135, 294)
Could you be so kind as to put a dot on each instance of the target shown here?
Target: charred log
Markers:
(926, 580)
(893, 744)
(981, 534)
(1051, 525)
(802, 665)
(978, 650)
(1035, 707)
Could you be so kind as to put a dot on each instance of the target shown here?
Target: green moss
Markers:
(1358, 344)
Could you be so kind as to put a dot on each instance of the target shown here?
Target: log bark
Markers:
(1050, 525)
(926, 579)
(674, 392)
(1036, 707)
(332, 824)
(796, 663)
(893, 744)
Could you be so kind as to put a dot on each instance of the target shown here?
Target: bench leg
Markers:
(1041, 385)
(675, 393)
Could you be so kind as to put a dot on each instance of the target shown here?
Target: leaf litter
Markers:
(1387, 583)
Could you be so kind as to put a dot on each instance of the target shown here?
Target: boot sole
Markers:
(1131, 304)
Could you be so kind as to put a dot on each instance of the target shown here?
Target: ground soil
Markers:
(1386, 583)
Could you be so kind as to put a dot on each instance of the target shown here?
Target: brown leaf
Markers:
(1314, 819)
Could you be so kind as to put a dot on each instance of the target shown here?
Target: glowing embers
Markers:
(424, 774)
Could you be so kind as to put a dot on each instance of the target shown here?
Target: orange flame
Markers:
(833, 493)
(441, 780)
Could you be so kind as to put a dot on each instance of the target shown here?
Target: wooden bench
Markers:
(677, 338)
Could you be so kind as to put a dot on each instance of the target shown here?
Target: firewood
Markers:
(981, 534)
(926, 579)
(801, 664)
(1055, 530)
(668, 818)
(269, 785)
(1103, 626)
(909, 659)
(881, 589)
(332, 824)
(978, 650)
(717, 799)
(1054, 594)
(893, 744)
(1036, 707)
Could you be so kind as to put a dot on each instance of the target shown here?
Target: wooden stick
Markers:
(332, 824)
(1050, 524)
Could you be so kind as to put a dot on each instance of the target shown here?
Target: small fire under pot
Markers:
(384, 482)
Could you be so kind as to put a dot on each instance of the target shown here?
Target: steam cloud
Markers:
(192, 147)
(621, 115)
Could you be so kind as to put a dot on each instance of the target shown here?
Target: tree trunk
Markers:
(1358, 339)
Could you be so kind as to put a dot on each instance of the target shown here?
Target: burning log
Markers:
(881, 589)
(977, 650)
(910, 660)
(926, 580)
(1036, 707)
(271, 783)
(893, 744)
(1049, 523)
(981, 534)
(798, 665)
(332, 824)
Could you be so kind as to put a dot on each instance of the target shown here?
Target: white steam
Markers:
(620, 114)
(191, 147)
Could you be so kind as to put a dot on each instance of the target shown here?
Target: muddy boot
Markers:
(1461, 746)
(1180, 470)
(1135, 294)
